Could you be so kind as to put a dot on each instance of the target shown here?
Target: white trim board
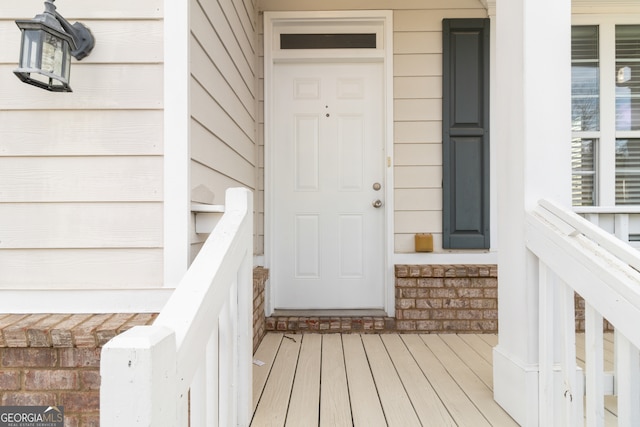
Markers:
(382, 22)
(77, 301)
(454, 258)
(177, 213)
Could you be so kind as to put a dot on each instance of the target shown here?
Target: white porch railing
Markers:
(577, 256)
(192, 367)
(621, 221)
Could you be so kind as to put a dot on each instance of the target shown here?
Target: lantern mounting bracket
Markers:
(81, 36)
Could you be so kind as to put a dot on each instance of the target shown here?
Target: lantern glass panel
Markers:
(29, 57)
(67, 62)
(52, 54)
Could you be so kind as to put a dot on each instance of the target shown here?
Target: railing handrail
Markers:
(193, 365)
(624, 209)
(195, 301)
(608, 261)
(620, 249)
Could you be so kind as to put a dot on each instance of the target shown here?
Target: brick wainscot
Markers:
(429, 299)
(54, 360)
(447, 298)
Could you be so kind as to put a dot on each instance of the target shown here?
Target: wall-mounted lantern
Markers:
(48, 42)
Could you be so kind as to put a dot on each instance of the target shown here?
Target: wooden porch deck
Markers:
(373, 380)
(376, 380)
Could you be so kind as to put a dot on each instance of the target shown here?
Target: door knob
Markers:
(377, 203)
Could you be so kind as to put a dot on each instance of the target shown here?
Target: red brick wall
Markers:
(68, 377)
(447, 298)
(54, 360)
(327, 324)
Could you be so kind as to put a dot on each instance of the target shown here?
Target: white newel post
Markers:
(145, 355)
(532, 109)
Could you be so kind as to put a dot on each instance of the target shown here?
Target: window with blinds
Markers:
(585, 112)
(585, 78)
(627, 77)
(583, 163)
(627, 114)
(627, 171)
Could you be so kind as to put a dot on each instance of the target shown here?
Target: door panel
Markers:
(351, 153)
(306, 148)
(328, 153)
(351, 246)
(307, 250)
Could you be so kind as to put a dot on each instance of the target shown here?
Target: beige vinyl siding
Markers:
(417, 27)
(81, 187)
(223, 101)
(597, 7)
(119, 133)
(80, 179)
(97, 268)
(82, 10)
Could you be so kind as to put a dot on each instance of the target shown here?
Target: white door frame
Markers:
(377, 21)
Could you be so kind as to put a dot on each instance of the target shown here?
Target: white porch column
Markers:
(177, 213)
(532, 109)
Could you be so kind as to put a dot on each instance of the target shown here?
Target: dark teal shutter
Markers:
(465, 134)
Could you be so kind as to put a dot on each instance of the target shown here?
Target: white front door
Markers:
(328, 186)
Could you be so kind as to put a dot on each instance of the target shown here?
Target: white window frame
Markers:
(606, 136)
